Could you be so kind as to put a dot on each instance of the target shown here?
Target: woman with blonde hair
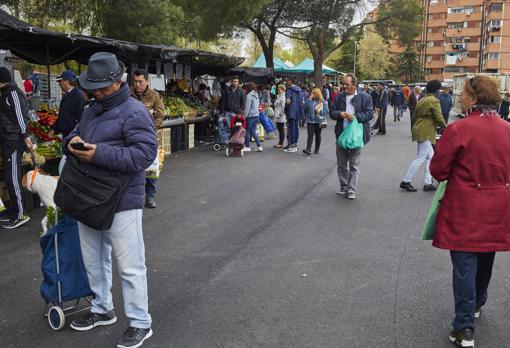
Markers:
(316, 110)
(473, 220)
(279, 115)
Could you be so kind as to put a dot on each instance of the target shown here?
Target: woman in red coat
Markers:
(473, 220)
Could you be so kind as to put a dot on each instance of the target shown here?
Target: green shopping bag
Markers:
(352, 136)
(429, 228)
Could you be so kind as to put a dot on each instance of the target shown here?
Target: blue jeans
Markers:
(251, 130)
(471, 276)
(293, 131)
(150, 188)
(125, 240)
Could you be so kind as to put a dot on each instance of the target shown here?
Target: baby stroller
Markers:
(222, 133)
(236, 141)
(65, 278)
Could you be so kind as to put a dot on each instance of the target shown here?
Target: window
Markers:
(428, 71)
(495, 39)
(433, 2)
(495, 23)
(429, 58)
(430, 43)
(493, 56)
(467, 9)
(496, 7)
(456, 25)
(455, 69)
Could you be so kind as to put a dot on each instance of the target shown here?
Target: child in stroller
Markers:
(237, 139)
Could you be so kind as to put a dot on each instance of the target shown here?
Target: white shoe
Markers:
(247, 149)
(260, 149)
(291, 149)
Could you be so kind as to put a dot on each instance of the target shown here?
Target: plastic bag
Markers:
(266, 123)
(352, 136)
(153, 171)
(429, 228)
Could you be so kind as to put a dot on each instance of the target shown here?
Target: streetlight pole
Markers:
(355, 47)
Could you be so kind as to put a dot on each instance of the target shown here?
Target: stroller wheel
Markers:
(227, 152)
(242, 153)
(56, 318)
(217, 147)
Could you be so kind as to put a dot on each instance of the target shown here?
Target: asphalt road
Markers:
(260, 252)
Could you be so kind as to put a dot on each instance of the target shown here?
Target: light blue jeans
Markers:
(125, 240)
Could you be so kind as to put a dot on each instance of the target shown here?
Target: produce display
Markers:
(182, 107)
(49, 147)
(46, 117)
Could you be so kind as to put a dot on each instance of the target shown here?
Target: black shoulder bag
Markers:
(90, 199)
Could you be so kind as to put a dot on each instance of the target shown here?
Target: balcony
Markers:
(434, 23)
(494, 15)
(458, 47)
(463, 32)
(466, 62)
(493, 47)
(435, 36)
(491, 64)
(434, 64)
(434, 77)
(434, 50)
(464, 17)
(462, 3)
(439, 8)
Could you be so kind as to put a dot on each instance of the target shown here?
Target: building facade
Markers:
(463, 36)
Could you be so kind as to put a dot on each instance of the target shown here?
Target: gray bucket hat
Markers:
(103, 70)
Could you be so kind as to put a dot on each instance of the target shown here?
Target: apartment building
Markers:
(463, 36)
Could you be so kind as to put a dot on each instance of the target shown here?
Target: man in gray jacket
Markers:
(347, 105)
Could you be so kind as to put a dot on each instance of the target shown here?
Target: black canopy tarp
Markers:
(41, 46)
(260, 75)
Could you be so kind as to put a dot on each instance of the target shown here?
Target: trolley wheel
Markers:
(242, 153)
(217, 147)
(227, 152)
(56, 318)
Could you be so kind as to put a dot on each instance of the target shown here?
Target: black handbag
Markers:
(90, 199)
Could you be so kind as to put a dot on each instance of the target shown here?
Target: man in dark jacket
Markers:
(120, 141)
(445, 99)
(295, 111)
(71, 105)
(349, 104)
(13, 138)
(397, 100)
(382, 107)
(233, 100)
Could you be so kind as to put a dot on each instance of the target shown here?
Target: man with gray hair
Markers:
(348, 105)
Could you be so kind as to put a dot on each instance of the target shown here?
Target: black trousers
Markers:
(314, 129)
(381, 121)
(281, 132)
(12, 151)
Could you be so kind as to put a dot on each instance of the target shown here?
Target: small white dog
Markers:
(43, 185)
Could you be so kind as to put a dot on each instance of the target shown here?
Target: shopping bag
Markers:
(260, 132)
(153, 171)
(266, 123)
(429, 228)
(352, 136)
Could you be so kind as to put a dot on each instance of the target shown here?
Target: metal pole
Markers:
(355, 46)
(49, 71)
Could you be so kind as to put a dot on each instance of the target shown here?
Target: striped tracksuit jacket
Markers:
(13, 130)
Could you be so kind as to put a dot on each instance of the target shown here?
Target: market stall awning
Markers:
(279, 66)
(45, 47)
(307, 67)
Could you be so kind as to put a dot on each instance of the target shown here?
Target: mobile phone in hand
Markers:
(79, 146)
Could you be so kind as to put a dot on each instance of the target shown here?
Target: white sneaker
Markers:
(260, 149)
(291, 149)
(247, 149)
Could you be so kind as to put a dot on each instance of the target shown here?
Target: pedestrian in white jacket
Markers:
(279, 114)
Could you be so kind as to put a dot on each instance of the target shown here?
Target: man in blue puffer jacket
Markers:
(120, 140)
(397, 100)
(294, 110)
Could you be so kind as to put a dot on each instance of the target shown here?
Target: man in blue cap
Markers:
(71, 105)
